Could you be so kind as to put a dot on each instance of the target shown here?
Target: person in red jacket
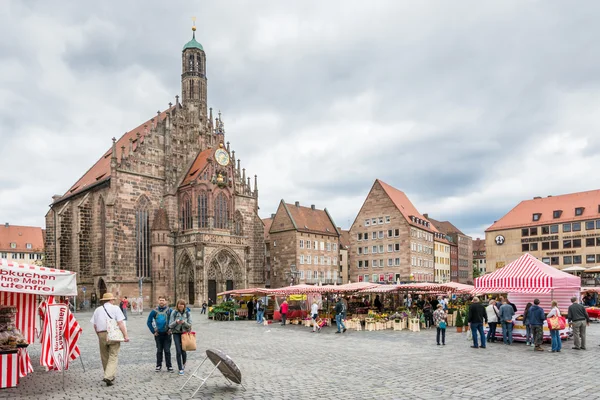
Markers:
(283, 309)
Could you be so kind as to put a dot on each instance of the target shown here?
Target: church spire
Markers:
(193, 77)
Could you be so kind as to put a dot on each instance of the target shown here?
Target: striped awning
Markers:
(249, 291)
(299, 289)
(352, 287)
(526, 274)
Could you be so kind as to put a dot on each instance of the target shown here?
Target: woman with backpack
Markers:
(180, 322)
(440, 319)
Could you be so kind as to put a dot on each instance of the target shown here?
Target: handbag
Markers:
(469, 335)
(113, 332)
(188, 341)
(442, 325)
(556, 323)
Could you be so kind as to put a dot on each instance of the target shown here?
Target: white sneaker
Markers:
(180, 372)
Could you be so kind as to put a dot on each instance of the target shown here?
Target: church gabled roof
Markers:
(100, 171)
(198, 165)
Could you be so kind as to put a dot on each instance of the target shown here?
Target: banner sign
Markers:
(23, 278)
(57, 318)
(137, 305)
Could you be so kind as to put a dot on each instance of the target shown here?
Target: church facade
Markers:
(167, 210)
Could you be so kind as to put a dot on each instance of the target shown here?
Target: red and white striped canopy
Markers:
(352, 287)
(299, 289)
(249, 291)
(526, 274)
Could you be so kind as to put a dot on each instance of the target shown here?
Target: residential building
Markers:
(453, 261)
(441, 253)
(561, 231)
(22, 244)
(267, 224)
(465, 248)
(304, 246)
(344, 255)
(479, 255)
(167, 209)
(390, 240)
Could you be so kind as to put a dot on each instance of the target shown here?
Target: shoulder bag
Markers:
(113, 332)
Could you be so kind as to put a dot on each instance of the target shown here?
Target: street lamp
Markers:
(292, 274)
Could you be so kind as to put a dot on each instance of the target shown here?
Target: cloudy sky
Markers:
(468, 107)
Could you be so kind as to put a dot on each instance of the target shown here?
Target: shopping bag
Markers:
(113, 332)
(469, 334)
(188, 341)
(556, 323)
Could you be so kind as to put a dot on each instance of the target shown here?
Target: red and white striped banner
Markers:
(25, 366)
(9, 371)
(57, 320)
(26, 306)
(72, 330)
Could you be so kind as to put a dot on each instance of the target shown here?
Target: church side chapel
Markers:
(168, 209)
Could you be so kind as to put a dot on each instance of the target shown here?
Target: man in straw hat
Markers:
(109, 351)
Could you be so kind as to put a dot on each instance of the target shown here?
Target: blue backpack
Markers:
(161, 319)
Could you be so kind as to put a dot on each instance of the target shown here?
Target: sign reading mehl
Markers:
(26, 281)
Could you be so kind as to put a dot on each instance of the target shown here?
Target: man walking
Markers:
(124, 305)
(109, 351)
(204, 305)
(506, 314)
(250, 305)
(476, 316)
(260, 311)
(158, 323)
(536, 320)
(578, 319)
(339, 315)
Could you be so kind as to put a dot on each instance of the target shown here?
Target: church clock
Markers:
(222, 157)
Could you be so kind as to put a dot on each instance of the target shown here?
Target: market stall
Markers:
(230, 310)
(525, 279)
(20, 284)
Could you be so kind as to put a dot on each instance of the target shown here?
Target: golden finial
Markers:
(194, 24)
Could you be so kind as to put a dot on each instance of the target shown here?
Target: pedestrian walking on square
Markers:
(578, 320)
(204, 305)
(250, 306)
(536, 320)
(314, 314)
(377, 303)
(158, 323)
(528, 340)
(440, 319)
(109, 351)
(339, 315)
(179, 323)
(260, 312)
(492, 314)
(506, 314)
(555, 333)
(428, 314)
(124, 305)
(476, 317)
(283, 309)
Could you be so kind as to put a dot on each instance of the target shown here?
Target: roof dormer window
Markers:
(556, 214)
(536, 216)
(579, 211)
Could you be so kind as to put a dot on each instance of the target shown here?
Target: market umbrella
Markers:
(574, 268)
(592, 270)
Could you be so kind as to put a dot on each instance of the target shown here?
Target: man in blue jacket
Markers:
(506, 313)
(536, 320)
(158, 323)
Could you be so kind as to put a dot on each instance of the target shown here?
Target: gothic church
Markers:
(167, 208)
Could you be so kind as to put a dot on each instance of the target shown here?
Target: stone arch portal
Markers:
(186, 282)
(224, 273)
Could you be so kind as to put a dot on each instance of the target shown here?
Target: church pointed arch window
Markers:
(191, 62)
(142, 238)
(102, 226)
(203, 210)
(221, 211)
(185, 213)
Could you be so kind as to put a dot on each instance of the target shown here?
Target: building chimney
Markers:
(272, 215)
(426, 215)
(6, 224)
(537, 197)
(297, 204)
(312, 206)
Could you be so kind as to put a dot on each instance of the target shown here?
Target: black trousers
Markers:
(443, 332)
(163, 344)
(283, 316)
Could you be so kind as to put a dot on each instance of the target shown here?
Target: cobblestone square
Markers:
(292, 363)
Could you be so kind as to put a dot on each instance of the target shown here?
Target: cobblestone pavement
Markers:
(292, 363)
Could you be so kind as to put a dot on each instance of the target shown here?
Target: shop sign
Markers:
(558, 253)
(539, 239)
(583, 235)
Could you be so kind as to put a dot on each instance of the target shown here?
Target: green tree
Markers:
(476, 273)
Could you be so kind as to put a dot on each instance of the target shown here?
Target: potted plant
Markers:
(459, 322)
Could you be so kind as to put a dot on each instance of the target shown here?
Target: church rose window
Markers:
(221, 211)
(202, 210)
